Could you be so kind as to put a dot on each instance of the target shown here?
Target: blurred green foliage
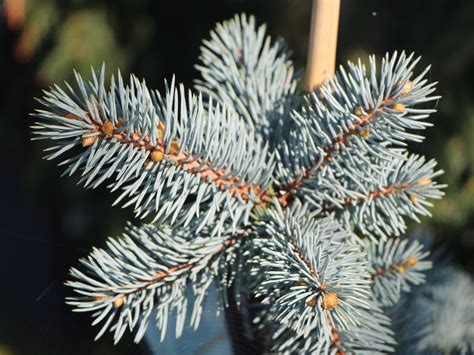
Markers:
(72, 50)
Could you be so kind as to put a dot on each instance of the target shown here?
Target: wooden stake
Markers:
(322, 42)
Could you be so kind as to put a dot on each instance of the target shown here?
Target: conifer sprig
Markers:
(245, 70)
(303, 195)
(356, 114)
(395, 266)
(147, 272)
(377, 200)
(170, 156)
(315, 279)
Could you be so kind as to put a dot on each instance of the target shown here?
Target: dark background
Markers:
(48, 222)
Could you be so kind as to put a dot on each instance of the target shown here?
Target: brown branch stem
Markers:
(303, 258)
(389, 190)
(336, 338)
(235, 185)
(162, 275)
(398, 267)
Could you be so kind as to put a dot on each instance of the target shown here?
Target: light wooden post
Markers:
(322, 42)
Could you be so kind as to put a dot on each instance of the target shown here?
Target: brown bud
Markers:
(399, 107)
(174, 147)
(406, 88)
(411, 261)
(88, 141)
(424, 182)
(365, 132)
(358, 111)
(400, 268)
(157, 156)
(120, 122)
(312, 301)
(119, 301)
(330, 301)
(413, 199)
(301, 283)
(107, 128)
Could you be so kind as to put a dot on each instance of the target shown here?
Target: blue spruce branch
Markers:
(245, 71)
(159, 150)
(395, 266)
(316, 281)
(148, 270)
(303, 195)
